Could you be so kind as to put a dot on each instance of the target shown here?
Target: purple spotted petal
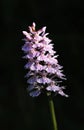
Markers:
(62, 93)
(26, 48)
(36, 67)
(27, 35)
(44, 80)
(35, 93)
(53, 88)
(29, 64)
(31, 80)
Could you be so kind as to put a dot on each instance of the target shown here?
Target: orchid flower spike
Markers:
(44, 72)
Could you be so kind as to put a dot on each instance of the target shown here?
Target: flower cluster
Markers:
(44, 72)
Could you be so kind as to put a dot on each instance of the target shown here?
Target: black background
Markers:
(65, 23)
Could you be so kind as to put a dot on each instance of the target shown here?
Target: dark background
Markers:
(65, 23)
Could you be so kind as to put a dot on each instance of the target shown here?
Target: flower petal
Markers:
(35, 93)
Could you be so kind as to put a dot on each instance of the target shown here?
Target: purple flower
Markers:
(35, 93)
(44, 72)
(44, 80)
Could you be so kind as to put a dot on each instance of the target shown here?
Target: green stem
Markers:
(51, 105)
